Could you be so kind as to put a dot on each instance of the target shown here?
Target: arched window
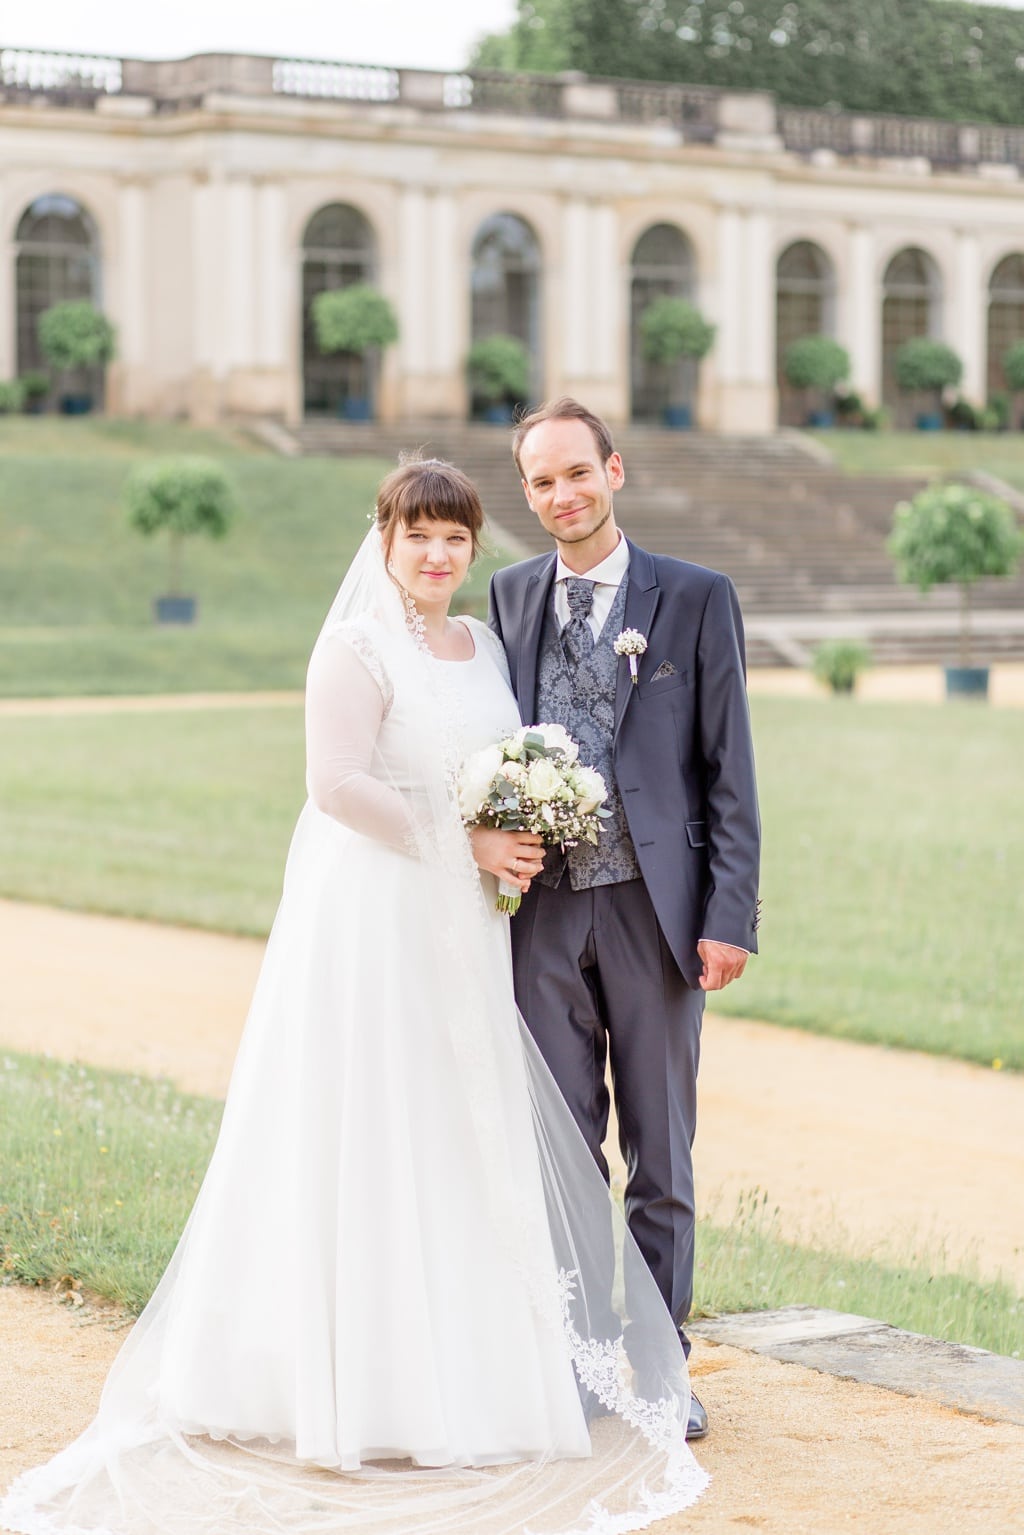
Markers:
(338, 249)
(506, 287)
(805, 303)
(911, 306)
(57, 260)
(662, 265)
(1005, 316)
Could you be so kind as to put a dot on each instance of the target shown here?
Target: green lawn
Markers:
(100, 1171)
(927, 453)
(76, 583)
(894, 850)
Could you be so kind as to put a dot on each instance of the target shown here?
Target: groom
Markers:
(615, 946)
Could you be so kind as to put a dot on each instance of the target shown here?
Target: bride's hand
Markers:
(514, 856)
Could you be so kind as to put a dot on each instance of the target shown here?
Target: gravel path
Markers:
(851, 1142)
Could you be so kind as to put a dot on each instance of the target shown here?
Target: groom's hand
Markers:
(722, 963)
(514, 856)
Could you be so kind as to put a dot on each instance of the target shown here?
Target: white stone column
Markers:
(965, 326)
(238, 257)
(209, 332)
(274, 289)
(129, 297)
(727, 304)
(860, 316)
(745, 307)
(577, 310)
(8, 311)
(414, 278)
(609, 318)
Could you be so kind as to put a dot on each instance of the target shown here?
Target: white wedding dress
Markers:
(390, 1285)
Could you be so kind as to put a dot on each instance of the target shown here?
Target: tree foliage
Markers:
(671, 328)
(923, 365)
(356, 319)
(928, 58)
(816, 362)
(76, 335)
(499, 368)
(953, 533)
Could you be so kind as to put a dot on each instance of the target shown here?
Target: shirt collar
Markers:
(610, 571)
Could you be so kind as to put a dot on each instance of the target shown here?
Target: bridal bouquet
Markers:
(533, 781)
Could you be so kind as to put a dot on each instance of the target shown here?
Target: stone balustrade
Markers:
(694, 114)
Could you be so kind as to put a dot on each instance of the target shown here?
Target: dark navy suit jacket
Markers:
(684, 760)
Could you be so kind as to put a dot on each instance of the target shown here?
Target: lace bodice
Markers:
(365, 761)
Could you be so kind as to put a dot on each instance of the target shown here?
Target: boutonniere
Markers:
(631, 643)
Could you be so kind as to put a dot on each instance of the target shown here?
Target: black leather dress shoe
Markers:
(697, 1422)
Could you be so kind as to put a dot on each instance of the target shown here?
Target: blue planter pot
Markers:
(966, 681)
(678, 418)
(356, 407)
(175, 610)
(75, 404)
(821, 418)
(498, 415)
(929, 421)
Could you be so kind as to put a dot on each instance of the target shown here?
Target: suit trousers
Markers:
(595, 978)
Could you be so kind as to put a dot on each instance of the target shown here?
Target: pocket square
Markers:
(666, 669)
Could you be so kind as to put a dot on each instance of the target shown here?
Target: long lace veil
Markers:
(140, 1468)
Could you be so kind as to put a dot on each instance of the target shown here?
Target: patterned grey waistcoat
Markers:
(584, 703)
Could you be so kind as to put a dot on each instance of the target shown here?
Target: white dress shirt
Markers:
(607, 578)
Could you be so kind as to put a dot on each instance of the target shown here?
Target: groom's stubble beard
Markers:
(579, 538)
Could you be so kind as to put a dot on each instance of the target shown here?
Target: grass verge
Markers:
(927, 453)
(893, 872)
(101, 1170)
(77, 583)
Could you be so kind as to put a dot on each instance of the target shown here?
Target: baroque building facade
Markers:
(203, 203)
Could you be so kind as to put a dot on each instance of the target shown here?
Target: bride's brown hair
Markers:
(432, 489)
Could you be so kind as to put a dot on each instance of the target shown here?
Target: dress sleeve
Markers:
(348, 697)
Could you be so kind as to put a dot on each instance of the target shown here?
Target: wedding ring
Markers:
(515, 866)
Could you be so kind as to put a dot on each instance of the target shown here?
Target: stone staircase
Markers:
(804, 543)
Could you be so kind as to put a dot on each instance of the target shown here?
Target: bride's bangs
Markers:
(430, 489)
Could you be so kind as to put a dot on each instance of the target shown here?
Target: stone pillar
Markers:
(131, 381)
(209, 268)
(593, 352)
(860, 317)
(434, 307)
(8, 311)
(745, 309)
(965, 324)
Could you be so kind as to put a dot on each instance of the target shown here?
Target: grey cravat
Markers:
(577, 636)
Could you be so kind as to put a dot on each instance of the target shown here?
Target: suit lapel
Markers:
(531, 631)
(642, 594)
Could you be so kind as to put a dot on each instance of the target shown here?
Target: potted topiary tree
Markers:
(1013, 368)
(12, 396)
(955, 533)
(358, 322)
(498, 369)
(673, 329)
(35, 387)
(838, 664)
(816, 364)
(76, 335)
(927, 367)
(182, 497)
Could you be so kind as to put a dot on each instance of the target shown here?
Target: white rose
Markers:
(557, 735)
(478, 774)
(591, 789)
(515, 772)
(544, 780)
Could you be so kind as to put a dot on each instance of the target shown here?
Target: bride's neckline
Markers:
(453, 661)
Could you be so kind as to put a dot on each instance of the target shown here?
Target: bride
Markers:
(391, 1308)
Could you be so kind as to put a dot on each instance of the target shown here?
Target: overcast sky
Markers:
(433, 34)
